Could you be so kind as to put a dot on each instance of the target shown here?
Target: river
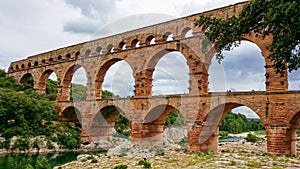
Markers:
(55, 159)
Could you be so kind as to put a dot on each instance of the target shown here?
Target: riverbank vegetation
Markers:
(25, 115)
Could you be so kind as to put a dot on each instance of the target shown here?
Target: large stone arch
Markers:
(65, 84)
(101, 73)
(203, 136)
(25, 76)
(153, 122)
(70, 114)
(103, 122)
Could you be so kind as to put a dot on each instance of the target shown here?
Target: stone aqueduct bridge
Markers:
(278, 108)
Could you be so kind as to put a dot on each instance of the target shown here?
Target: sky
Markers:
(31, 27)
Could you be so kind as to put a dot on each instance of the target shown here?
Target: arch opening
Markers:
(122, 46)
(48, 84)
(233, 122)
(28, 82)
(79, 85)
(170, 75)
(74, 84)
(68, 56)
(87, 53)
(187, 32)
(71, 114)
(77, 54)
(168, 120)
(135, 43)
(150, 40)
(109, 122)
(241, 70)
(168, 37)
(294, 80)
(117, 78)
(292, 135)
(99, 50)
(110, 48)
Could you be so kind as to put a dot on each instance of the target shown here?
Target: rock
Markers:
(174, 135)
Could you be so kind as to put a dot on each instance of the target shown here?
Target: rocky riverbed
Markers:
(231, 155)
(241, 154)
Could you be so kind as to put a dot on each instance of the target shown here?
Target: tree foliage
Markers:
(174, 118)
(238, 123)
(279, 18)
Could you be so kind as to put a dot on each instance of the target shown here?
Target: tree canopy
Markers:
(279, 18)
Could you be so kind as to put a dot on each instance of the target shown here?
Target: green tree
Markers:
(279, 18)
(238, 123)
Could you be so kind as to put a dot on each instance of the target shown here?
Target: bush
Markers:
(251, 138)
(206, 154)
(160, 152)
(22, 144)
(121, 167)
(49, 144)
(223, 134)
(92, 158)
(69, 140)
(123, 152)
(145, 163)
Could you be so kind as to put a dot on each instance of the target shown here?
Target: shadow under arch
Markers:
(107, 120)
(28, 82)
(204, 136)
(67, 80)
(28, 77)
(102, 72)
(70, 114)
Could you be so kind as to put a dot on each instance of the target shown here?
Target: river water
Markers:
(55, 159)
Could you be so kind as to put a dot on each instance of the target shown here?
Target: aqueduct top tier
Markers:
(141, 49)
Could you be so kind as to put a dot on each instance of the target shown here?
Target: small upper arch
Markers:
(150, 40)
(186, 32)
(168, 36)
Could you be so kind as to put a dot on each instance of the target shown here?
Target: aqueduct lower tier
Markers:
(278, 111)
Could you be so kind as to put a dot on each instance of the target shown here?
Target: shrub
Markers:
(251, 138)
(22, 144)
(233, 163)
(49, 144)
(223, 134)
(145, 163)
(123, 152)
(160, 152)
(254, 164)
(91, 157)
(121, 167)
(206, 154)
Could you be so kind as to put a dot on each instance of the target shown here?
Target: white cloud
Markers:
(246, 111)
(241, 70)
